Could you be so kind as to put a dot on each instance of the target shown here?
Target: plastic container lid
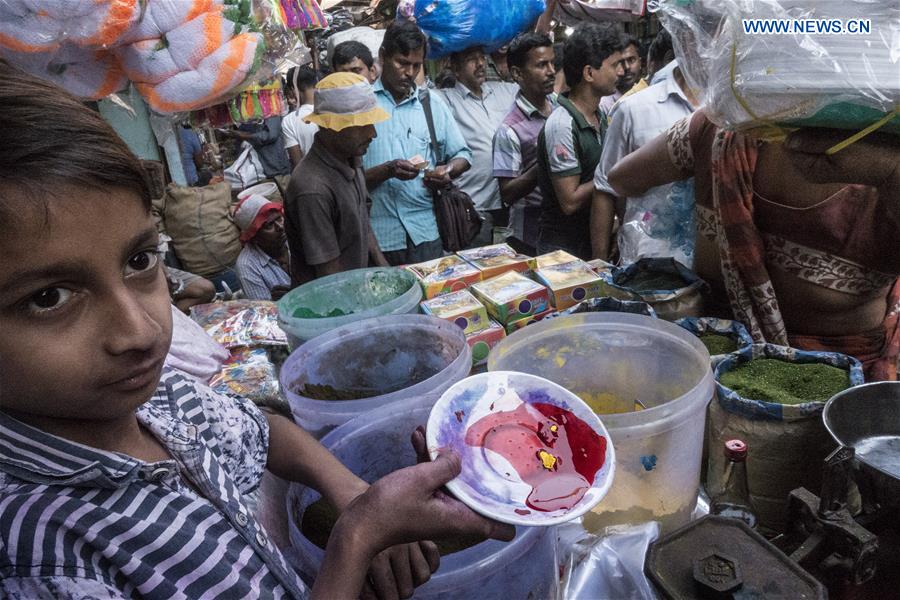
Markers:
(359, 294)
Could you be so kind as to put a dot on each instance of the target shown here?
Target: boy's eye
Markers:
(49, 299)
(142, 261)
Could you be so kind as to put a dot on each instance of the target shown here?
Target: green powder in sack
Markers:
(783, 382)
(718, 343)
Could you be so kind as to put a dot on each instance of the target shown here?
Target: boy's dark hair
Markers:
(524, 43)
(345, 52)
(402, 37)
(303, 77)
(590, 44)
(660, 46)
(51, 140)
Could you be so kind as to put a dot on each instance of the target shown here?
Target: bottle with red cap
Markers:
(733, 498)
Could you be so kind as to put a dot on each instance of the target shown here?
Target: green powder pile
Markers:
(648, 281)
(784, 382)
(320, 516)
(307, 313)
(718, 343)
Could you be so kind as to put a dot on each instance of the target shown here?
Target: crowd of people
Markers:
(122, 477)
(570, 168)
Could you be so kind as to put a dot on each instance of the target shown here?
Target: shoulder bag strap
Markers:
(425, 99)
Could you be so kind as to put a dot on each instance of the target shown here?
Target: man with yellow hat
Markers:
(327, 217)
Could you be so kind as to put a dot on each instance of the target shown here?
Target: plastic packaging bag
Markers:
(454, 25)
(608, 566)
(672, 289)
(246, 170)
(241, 323)
(764, 82)
(249, 373)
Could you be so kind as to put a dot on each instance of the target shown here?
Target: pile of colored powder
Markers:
(784, 382)
(718, 343)
(307, 313)
(649, 281)
(320, 516)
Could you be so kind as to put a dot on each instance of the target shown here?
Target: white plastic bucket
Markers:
(633, 357)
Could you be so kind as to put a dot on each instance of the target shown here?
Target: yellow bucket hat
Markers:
(345, 100)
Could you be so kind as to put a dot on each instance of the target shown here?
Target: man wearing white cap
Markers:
(327, 215)
(264, 261)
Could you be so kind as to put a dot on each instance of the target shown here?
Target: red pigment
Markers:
(522, 511)
(552, 450)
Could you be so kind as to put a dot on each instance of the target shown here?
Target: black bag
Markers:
(457, 220)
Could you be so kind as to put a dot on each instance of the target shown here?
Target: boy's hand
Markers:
(399, 570)
(408, 506)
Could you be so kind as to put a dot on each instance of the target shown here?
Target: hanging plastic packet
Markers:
(454, 25)
(768, 66)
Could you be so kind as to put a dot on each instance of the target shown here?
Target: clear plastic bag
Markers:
(607, 566)
(241, 323)
(769, 82)
(454, 25)
(251, 374)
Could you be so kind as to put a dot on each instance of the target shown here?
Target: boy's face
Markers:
(84, 307)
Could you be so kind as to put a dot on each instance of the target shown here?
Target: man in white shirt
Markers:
(296, 133)
(660, 222)
(479, 108)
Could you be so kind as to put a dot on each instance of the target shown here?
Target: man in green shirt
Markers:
(570, 144)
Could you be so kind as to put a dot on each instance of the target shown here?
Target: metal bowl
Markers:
(867, 419)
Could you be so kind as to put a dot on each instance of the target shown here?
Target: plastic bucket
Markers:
(359, 294)
(621, 358)
(377, 444)
(268, 189)
(405, 360)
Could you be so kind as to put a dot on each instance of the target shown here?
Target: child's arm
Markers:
(406, 505)
(295, 456)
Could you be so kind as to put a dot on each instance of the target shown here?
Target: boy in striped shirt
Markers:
(119, 477)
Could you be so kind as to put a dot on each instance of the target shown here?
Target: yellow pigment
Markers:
(605, 403)
(548, 461)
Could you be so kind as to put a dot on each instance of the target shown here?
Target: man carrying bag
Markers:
(457, 219)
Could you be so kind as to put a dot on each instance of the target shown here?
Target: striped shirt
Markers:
(259, 273)
(401, 208)
(78, 522)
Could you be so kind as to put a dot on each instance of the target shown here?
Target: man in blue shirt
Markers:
(402, 212)
(191, 153)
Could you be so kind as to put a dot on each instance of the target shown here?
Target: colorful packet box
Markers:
(461, 308)
(445, 275)
(558, 257)
(512, 296)
(496, 260)
(569, 283)
(482, 342)
(520, 323)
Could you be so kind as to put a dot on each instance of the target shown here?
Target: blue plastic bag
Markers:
(454, 25)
